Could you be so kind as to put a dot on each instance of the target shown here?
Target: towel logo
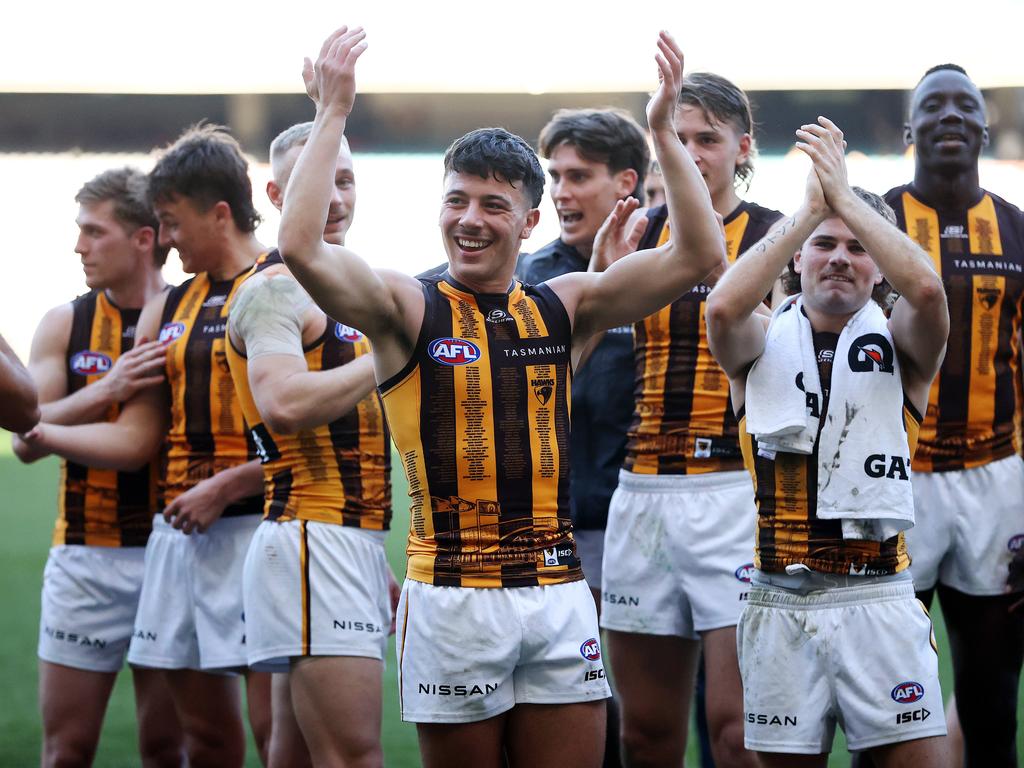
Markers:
(871, 352)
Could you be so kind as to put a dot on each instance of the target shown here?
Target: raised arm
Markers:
(19, 409)
(268, 319)
(125, 444)
(920, 319)
(736, 326)
(645, 281)
(378, 303)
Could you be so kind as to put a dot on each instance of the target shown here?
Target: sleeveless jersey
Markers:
(786, 493)
(683, 421)
(974, 406)
(480, 417)
(336, 473)
(102, 507)
(207, 433)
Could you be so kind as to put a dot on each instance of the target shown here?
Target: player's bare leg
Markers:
(209, 707)
(654, 698)
(72, 702)
(478, 744)
(161, 740)
(337, 702)
(724, 700)
(535, 735)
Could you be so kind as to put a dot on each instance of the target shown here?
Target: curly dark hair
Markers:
(494, 152)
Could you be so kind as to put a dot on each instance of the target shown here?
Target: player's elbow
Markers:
(296, 243)
(23, 417)
(283, 418)
(719, 311)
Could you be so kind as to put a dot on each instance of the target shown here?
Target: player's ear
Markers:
(276, 194)
(797, 259)
(145, 238)
(625, 182)
(532, 217)
(908, 135)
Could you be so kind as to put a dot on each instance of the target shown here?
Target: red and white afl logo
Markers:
(453, 351)
(908, 692)
(171, 331)
(89, 363)
(347, 333)
(745, 572)
(591, 650)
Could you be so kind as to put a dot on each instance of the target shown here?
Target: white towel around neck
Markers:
(863, 459)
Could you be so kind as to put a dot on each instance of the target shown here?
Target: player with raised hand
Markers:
(498, 649)
(829, 391)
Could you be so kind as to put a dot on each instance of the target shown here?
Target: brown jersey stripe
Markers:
(279, 494)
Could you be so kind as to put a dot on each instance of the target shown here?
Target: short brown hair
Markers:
(207, 166)
(881, 293)
(126, 188)
(610, 136)
(721, 100)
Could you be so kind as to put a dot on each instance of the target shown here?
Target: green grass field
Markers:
(27, 519)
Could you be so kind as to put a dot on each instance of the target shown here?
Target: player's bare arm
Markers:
(141, 367)
(19, 408)
(920, 318)
(645, 281)
(201, 506)
(126, 444)
(271, 318)
(387, 306)
(734, 313)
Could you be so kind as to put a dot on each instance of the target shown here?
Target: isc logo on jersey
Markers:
(1015, 543)
(908, 692)
(347, 333)
(591, 650)
(89, 363)
(452, 351)
(171, 332)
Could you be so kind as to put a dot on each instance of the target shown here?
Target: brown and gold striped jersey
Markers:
(102, 507)
(974, 406)
(337, 473)
(786, 493)
(207, 433)
(480, 417)
(683, 421)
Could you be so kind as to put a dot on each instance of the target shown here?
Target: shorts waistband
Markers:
(844, 590)
(239, 522)
(635, 481)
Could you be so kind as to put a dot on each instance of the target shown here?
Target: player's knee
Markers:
(161, 750)
(727, 745)
(68, 750)
(210, 746)
(649, 743)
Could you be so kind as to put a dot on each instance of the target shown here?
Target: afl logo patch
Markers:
(89, 363)
(907, 693)
(347, 333)
(591, 650)
(1015, 544)
(452, 351)
(745, 572)
(171, 331)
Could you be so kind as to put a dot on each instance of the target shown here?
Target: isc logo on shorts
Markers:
(452, 351)
(907, 693)
(347, 333)
(89, 363)
(591, 650)
(745, 573)
(171, 331)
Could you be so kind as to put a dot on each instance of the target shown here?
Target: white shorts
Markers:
(969, 522)
(190, 612)
(314, 589)
(590, 550)
(90, 595)
(468, 654)
(862, 655)
(678, 553)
